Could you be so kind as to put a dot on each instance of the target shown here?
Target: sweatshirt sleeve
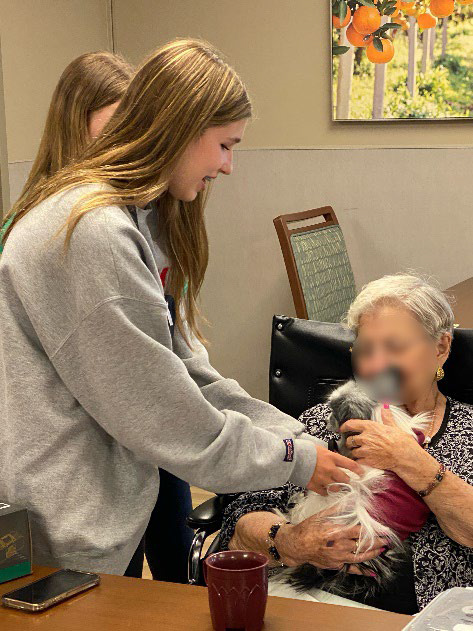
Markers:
(118, 366)
(225, 393)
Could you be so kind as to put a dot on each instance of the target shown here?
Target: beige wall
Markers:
(281, 49)
(39, 38)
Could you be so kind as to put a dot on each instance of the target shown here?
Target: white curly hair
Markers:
(421, 296)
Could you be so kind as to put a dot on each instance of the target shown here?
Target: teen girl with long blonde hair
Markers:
(102, 380)
(87, 94)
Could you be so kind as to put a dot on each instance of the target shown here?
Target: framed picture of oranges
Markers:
(396, 59)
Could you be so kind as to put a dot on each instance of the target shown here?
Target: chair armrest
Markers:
(205, 519)
(208, 516)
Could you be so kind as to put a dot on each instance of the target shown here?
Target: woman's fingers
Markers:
(338, 554)
(355, 425)
(354, 569)
(387, 416)
(335, 559)
(366, 556)
(359, 452)
(353, 532)
(378, 542)
(335, 556)
(350, 545)
(349, 556)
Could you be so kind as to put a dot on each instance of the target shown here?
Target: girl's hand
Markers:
(328, 470)
(317, 540)
(383, 446)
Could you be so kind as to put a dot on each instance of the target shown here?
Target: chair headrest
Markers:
(309, 359)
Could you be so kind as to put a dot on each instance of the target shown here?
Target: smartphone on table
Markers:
(50, 590)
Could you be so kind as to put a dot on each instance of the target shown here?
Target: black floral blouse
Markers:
(439, 562)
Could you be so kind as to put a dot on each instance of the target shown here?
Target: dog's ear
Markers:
(350, 401)
(332, 423)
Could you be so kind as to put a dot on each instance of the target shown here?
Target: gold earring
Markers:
(440, 374)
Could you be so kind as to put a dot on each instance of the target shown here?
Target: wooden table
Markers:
(131, 604)
(463, 305)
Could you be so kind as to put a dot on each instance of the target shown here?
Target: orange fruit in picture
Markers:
(425, 20)
(407, 5)
(442, 8)
(380, 57)
(403, 23)
(336, 20)
(356, 39)
(366, 20)
(465, 2)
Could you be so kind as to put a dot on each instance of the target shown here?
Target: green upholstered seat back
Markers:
(324, 272)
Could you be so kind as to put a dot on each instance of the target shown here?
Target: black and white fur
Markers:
(352, 501)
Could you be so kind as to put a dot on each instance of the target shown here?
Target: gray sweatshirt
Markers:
(95, 394)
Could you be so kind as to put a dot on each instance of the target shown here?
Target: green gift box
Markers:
(15, 542)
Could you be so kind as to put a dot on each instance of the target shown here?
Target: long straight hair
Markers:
(180, 90)
(88, 83)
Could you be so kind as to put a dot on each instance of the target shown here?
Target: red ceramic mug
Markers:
(237, 583)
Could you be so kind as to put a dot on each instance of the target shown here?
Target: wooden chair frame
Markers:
(284, 232)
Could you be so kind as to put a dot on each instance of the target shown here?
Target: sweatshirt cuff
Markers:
(313, 439)
(305, 460)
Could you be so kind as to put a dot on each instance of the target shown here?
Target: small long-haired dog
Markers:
(376, 500)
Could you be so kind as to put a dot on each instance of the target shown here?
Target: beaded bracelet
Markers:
(436, 481)
(273, 551)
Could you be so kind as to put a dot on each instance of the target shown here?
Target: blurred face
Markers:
(392, 336)
(204, 159)
(99, 118)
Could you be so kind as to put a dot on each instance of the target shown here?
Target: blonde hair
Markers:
(88, 83)
(179, 91)
(419, 295)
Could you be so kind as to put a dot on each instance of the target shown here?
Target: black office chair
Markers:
(308, 360)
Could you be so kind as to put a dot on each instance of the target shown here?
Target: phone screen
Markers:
(51, 586)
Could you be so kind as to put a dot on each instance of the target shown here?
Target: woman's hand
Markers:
(387, 447)
(383, 446)
(327, 470)
(317, 540)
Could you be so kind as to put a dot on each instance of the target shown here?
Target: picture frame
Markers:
(412, 66)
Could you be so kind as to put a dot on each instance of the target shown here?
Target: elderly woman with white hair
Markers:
(405, 321)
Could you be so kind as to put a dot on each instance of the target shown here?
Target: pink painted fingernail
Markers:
(383, 549)
(373, 574)
(386, 406)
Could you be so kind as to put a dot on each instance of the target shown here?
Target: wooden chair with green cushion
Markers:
(317, 264)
